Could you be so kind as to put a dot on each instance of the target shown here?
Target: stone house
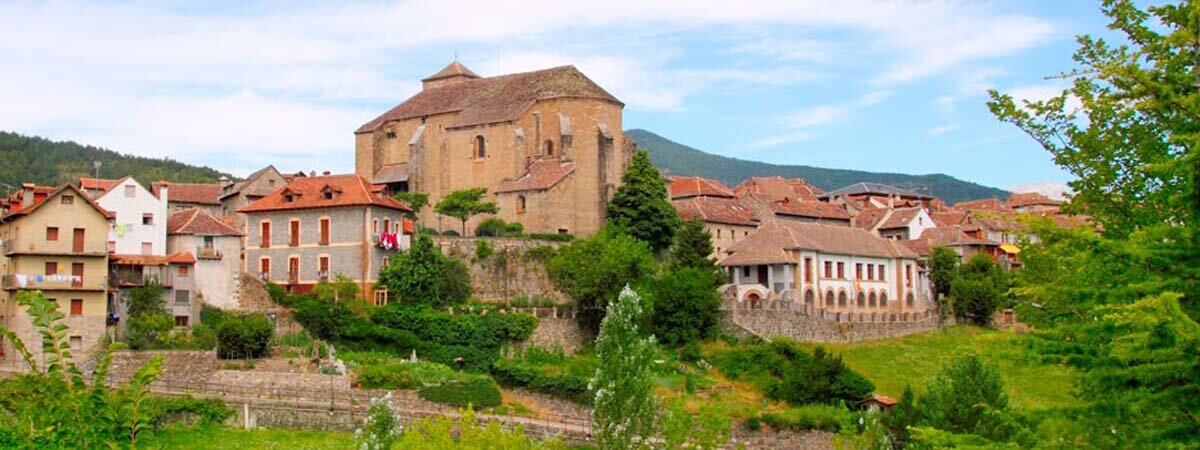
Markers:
(140, 226)
(711, 202)
(54, 241)
(954, 238)
(175, 273)
(1033, 202)
(548, 146)
(315, 228)
(185, 196)
(830, 267)
(257, 185)
(217, 247)
(895, 223)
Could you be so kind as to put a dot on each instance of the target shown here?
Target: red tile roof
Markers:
(948, 217)
(454, 69)
(97, 184)
(198, 193)
(41, 194)
(777, 188)
(773, 242)
(152, 260)
(809, 208)
(714, 210)
(493, 99)
(309, 192)
(201, 222)
(900, 218)
(684, 187)
(1019, 200)
(944, 236)
(542, 174)
(867, 218)
(987, 204)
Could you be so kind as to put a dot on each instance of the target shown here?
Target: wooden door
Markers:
(294, 235)
(77, 274)
(77, 242)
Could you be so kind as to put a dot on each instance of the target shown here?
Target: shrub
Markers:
(784, 371)
(809, 417)
(978, 289)
(594, 270)
(243, 336)
(480, 392)
(198, 411)
(403, 375)
(483, 250)
(539, 253)
(554, 237)
(685, 305)
(423, 275)
(147, 330)
(496, 227)
(550, 373)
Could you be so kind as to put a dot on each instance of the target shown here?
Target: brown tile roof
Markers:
(198, 193)
(309, 192)
(869, 188)
(868, 217)
(949, 217)
(772, 243)
(98, 184)
(684, 187)
(391, 173)
(714, 210)
(201, 222)
(493, 99)
(152, 260)
(996, 221)
(260, 191)
(900, 218)
(1018, 200)
(809, 208)
(43, 193)
(542, 174)
(777, 188)
(452, 70)
(944, 236)
(987, 204)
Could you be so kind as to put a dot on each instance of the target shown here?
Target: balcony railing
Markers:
(125, 278)
(323, 275)
(265, 276)
(42, 247)
(293, 277)
(203, 252)
(44, 282)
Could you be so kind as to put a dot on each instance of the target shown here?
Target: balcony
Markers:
(97, 247)
(265, 276)
(322, 276)
(46, 283)
(204, 252)
(138, 278)
(293, 277)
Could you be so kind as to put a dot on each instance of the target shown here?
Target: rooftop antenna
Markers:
(96, 166)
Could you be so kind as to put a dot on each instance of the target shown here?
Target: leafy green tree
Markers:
(641, 205)
(943, 265)
(902, 416)
(463, 204)
(968, 397)
(244, 336)
(624, 409)
(341, 288)
(414, 200)
(685, 306)
(692, 247)
(978, 290)
(148, 323)
(423, 275)
(146, 299)
(593, 270)
(824, 379)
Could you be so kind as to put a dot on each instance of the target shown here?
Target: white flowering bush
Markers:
(624, 408)
(382, 427)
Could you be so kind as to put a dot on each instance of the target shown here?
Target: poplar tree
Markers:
(624, 409)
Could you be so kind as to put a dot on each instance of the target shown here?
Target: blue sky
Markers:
(882, 85)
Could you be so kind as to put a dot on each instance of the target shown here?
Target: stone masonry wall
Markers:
(509, 273)
(798, 325)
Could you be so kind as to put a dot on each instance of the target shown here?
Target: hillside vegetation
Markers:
(679, 159)
(31, 159)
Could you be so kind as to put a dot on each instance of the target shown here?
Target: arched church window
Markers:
(480, 147)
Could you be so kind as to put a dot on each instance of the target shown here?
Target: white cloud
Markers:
(776, 141)
(1056, 190)
(942, 129)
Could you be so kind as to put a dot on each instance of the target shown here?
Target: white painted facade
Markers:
(884, 283)
(218, 266)
(140, 227)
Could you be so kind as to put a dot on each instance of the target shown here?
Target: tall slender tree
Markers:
(641, 205)
(625, 408)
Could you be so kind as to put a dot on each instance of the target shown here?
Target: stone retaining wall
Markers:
(802, 327)
(510, 272)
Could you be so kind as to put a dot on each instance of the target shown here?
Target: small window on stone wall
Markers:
(520, 204)
(548, 147)
(480, 147)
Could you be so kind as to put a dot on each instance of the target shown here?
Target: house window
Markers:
(324, 226)
(841, 271)
(386, 261)
(77, 307)
(294, 232)
(520, 204)
(809, 297)
(480, 147)
(323, 267)
(870, 271)
(183, 297)
(909, 299)
(264, 268)
(381, 297)
(183, 271)
(51, 233)
(808, 270)
(548, 147)
(881, 277)
(883, 299)
(908, 275)
(872, 300)
(861, 299)
(266, 234)
(112, 246)
(858, 271)
(328, 194)
(375, 226)
(76, 343)
(51, 268)
(829, 297)
(745, 271)
(130, 191)
(147, 219)
(828, 269)
(842, 298)
(68, 200)
(77, 275)
(147, 248)
(181, 321)
(387, 225)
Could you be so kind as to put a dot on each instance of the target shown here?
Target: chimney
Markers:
(891, 201)
(325, 173)
(27, 196)
(312, 173)
(452, 74)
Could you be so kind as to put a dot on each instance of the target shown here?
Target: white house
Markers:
(836, 268)
(896, 223)
(140, 227)
(217, 246)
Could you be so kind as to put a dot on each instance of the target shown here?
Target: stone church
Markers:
(546, 144)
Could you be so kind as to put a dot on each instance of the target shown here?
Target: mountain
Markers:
(31, 159)
(679, 159)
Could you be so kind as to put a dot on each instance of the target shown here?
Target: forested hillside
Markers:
(25, 159)
(679, 159)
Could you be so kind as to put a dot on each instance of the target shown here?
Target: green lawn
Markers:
(218, 437)
(893, 363)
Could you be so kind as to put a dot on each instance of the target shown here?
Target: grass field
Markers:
(893, 363)
(219, 437)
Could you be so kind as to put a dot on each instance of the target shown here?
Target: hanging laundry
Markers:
(120, 229)
(22, 280)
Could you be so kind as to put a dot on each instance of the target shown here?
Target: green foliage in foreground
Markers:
(805, 417)
(548, 372)
(642, 207)
(422, 275)
(474, 390)
(593, 271)
(215, 437)
(785, 371)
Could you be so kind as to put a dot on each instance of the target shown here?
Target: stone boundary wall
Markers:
(557, 327)
(796, 324)
(509, 272)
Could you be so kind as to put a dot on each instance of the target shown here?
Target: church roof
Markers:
(496, 99)
(453, 69)
(391, 173)
(684, 187)
(541, 174)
